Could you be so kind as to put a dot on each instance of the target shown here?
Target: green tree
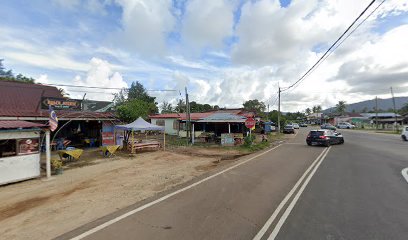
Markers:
(120, 97)
(167, 107)
(181, 106)
(308, 111)
(318, 108)
(404, 109)
(7, 75)
(134, 108)
(273, 116)
(341, 107)
(255, 105)
(137, 91)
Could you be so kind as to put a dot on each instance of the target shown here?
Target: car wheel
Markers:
(342, 141)
(327, 144)
(309, 144)
(404, 138)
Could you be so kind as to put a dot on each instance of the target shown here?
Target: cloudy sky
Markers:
(224, 51)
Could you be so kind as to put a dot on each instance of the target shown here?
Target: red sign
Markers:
(250, 123)
(107, 138)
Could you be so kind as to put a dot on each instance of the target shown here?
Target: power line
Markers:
(344, 39)
(93, 87)
(330, 48)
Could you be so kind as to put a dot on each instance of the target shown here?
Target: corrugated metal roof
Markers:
(386, 114)
(23, 99)
(223, 117)
(182, 116)
(19, 124)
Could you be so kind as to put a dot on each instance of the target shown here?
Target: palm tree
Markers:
(341, 107)
(318, 108)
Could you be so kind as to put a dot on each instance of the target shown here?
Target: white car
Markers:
(404, 133)
(345, 125)
(296, 126)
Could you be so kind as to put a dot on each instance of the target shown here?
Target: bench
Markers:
(144, 145)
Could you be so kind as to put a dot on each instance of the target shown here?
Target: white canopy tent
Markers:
(141, 125)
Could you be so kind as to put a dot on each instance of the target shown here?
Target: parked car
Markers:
(296, 126)
(289, 129)
(324, 137)
(302, 124)
(328, 126)
(345, 125)
(404, 133)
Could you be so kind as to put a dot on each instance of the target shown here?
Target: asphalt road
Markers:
(350, 191)
(357, 193)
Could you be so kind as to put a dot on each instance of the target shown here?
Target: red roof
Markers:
(182, 116)
(19, 124)
(166, 115)
(23, 99)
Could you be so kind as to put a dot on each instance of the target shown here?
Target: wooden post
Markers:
(48, 153)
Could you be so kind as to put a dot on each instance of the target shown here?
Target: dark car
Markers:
(328, 126)
(324, 137)
(302, 124)
(289, 129)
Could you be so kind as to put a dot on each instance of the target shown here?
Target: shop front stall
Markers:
(19, 151)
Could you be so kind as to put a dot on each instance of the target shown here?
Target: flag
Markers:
(53, 121)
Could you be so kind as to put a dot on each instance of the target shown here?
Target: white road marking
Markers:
(125, 215)
(286, 199)
(405, 173)
(285, 215)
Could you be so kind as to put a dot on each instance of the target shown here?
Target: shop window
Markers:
(8, 148)
(160, 122)
(27, 146)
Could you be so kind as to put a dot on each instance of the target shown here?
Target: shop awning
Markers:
(139, 125)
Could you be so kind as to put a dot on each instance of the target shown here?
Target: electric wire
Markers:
(344, 39)
(330, 48)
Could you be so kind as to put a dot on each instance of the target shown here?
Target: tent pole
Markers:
(133, 142)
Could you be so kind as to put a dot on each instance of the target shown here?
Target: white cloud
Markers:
(269, 34)
(146, 24)
(100, 74)
(207, 24)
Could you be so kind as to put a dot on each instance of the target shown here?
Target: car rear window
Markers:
(316, 133)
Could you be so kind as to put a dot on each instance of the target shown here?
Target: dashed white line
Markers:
(285, 215)
(404, 173)
(125, 215)
(268, 223)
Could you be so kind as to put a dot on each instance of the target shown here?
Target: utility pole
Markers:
(279, 102)
(188, 118)
(376, 112)
(395, 111)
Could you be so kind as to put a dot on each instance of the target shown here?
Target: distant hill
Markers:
(369, 105)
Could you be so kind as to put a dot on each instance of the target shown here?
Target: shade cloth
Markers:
(139, 125)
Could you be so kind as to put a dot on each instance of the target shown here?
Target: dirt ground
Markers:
(38, 209)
